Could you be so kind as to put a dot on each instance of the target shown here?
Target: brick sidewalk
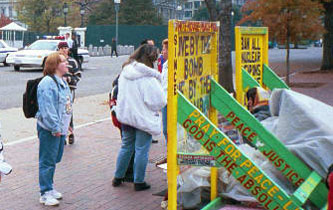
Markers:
(84, 175)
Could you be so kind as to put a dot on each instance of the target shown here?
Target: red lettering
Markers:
(256, 190)
(226, 160)
(235, 120)
(231, 167)
(197, 136)
(266, 205)
(211, 146)
(220, 155)
(193, 129)
(240, 126)
(279, 162)
(299, 182)
(231, 115)
(187, 123)
(241, 179)
(293, 175)
(285, 167)
(249, 184)
(262, 198)
(246, 129)
(251, 136)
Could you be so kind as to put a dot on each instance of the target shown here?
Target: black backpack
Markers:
(30, 102)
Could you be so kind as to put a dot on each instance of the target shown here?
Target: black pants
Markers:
(115, 51)
(72, 121)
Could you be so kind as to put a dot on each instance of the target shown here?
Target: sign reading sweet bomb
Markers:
(194, 60)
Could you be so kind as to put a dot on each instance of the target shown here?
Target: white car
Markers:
(4, 51)
(36, 54)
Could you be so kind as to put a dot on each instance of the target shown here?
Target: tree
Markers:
(132, 12)
(289, 21)
(4, 20)
(222, 12)
(40, 15)
(327, 63)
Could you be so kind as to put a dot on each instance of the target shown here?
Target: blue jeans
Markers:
(51, 149)
(133, 140)
(165, 122)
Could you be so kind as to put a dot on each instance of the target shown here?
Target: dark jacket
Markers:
(74, 74)
(74, 49)
(114, 45)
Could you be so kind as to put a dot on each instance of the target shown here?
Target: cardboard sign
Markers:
(251, 55)
(195, 160)
(192, 62)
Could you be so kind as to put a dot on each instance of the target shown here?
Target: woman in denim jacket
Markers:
(53, 118)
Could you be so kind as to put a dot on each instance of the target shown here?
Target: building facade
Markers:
(190, 7)
(7, 8)
(169, 9)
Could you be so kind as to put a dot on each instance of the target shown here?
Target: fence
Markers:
(101, 35)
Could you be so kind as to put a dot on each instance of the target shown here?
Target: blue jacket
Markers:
(54, 102)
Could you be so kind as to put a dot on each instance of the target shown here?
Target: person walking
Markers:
(53, 118)
(73, 77)
(68, 40)
(74, 51)
(114, 47)
(140, 97)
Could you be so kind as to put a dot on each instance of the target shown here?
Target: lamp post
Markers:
(65, 9)
(82, 11)
(116, 7)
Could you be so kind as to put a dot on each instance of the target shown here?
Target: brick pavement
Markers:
(84, 175)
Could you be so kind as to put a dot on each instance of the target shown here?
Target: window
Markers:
(188, 14)
(197, 4)
(10, 11)
(188, 5)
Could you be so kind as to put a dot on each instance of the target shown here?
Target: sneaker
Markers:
(48, 200)
(141, 186)
(57, 195)
(116, 182)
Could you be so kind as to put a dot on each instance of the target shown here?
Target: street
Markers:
(100, 72)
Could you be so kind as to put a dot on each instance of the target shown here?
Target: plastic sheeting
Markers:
(302, 123)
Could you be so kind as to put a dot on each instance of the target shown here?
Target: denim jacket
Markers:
(54, 102)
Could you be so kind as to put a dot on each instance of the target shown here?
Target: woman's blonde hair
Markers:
(51, 64)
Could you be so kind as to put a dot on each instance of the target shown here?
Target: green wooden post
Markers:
(272, 80)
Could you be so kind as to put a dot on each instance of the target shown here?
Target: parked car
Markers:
(4, 51)
(36, 54)
(318, 43)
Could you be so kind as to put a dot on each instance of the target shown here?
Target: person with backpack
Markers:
(53, 118)
(73, 76)
(140, 98)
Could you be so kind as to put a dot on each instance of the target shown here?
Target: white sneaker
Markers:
(57, 195)
(48, 200)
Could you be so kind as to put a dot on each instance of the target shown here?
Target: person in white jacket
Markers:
(140, 98)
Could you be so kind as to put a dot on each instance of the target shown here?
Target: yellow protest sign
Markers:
(193, 61)
(251, 54)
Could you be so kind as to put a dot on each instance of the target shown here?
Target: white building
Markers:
(169, 9)
(7, 7)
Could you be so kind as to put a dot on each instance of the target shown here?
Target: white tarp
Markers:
(305, 127)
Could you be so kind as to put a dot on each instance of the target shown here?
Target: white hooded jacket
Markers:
(140, 98)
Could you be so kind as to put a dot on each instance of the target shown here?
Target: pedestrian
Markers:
(140, 97)
(165, 47)
(74, 50)
(5, 168)
(68, 40)
(53, 118)
(257, 103)
(72, 78)
(114, 47)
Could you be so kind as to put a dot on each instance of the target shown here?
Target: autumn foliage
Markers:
(4, 20)
(287, 19)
